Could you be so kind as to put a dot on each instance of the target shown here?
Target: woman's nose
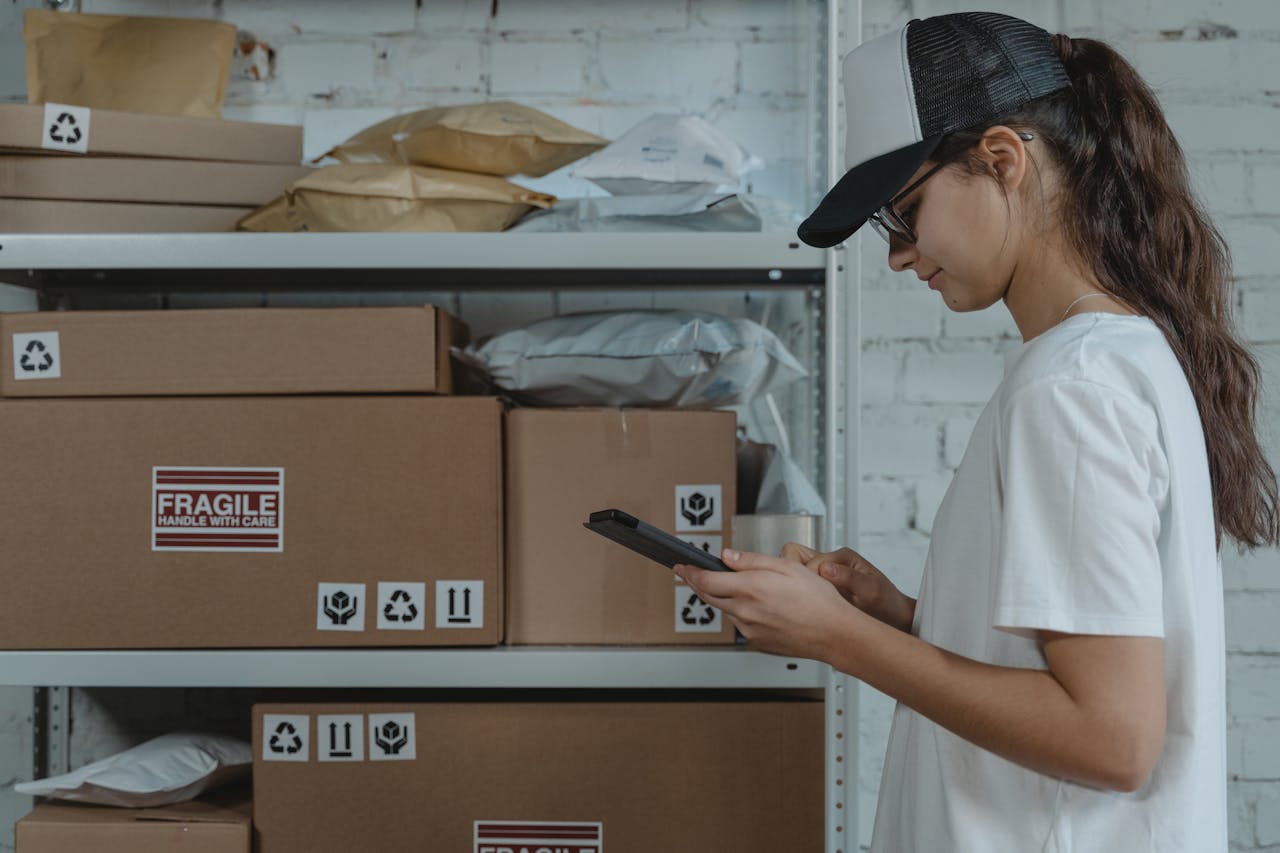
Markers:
(902, 255)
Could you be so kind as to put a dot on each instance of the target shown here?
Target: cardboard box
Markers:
(140, 179)
(40, 128)
(673, 469)
(251, 522)
(199, 826)
(518, 777)
(227, 351)
(39, 216)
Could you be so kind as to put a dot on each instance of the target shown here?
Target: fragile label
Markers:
(66, 128)
(510, 836)
(36, 355)
(217, 509)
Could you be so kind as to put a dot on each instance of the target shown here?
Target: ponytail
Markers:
(1128, 210)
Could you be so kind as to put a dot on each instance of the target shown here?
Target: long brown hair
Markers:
(1128, 210)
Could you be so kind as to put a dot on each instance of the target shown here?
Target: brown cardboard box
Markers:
(40, 216)
(569, 585)
(31, 128)
(572, 777)
(198, 826)
(142, 179)
(217, 522)
(227, 351)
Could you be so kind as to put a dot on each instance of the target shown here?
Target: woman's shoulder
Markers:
(1120, 354)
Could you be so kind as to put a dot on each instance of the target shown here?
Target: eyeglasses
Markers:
(889, 223)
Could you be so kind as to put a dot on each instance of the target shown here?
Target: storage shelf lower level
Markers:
(505, 667)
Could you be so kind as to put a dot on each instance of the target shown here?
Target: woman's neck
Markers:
(1047, 287)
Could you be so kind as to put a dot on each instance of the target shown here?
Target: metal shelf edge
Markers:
(506, 667)
(646, 251)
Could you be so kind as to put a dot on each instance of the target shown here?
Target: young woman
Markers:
(1060, 680)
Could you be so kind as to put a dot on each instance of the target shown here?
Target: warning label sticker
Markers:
(510, 836)
(459, 604)
(391, 737)
(340, 737)
(698, 509)
(217, 509)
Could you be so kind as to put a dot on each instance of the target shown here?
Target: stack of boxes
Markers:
(293, 478)
(145, 173)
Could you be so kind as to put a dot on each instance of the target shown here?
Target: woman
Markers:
(1060, 680)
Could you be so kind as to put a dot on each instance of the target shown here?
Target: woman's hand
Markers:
(862, 584)
(778, 604)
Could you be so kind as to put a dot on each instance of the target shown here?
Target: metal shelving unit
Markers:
(59, 264)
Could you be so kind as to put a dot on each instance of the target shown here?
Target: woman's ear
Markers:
(1006, 154)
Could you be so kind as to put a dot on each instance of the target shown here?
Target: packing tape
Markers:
(627, 435)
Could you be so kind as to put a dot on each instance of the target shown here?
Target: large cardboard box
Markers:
(518, 777)
(42, 216)
(227, 351)
(41, 128)
(673, 469)
(190, 522)
(141, 179)
(200, 826)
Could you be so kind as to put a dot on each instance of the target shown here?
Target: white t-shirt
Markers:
(1082, 505)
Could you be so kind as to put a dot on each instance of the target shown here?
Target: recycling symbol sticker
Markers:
(285, 737)
(392, 737)
(66, 128)
(695, 616)
(402, 606)
(36, 356)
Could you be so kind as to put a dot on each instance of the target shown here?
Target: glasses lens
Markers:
(889, 225)
(878, 224)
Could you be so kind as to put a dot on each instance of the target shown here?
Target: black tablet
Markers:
(650, 541)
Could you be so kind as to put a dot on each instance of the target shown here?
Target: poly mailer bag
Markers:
(169, 66)
(674, 358)
(384, 197)
(500, 138)
(669, 153)
(168, 769)
(665, 212)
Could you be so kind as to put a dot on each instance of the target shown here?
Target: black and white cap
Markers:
(904, 91)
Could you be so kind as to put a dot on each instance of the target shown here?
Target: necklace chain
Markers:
(1077, 299)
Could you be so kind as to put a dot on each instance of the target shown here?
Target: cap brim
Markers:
(861, 192)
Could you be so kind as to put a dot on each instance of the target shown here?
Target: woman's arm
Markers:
(1097, 716)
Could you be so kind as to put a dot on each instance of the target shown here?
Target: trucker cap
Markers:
(905, 90)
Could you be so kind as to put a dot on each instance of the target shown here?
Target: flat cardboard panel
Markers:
(744, 776)
(376, 489)
(571, 585)
(142, 135)
(139, 179)
(227, 351)
(40, 216)
(195, 827)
